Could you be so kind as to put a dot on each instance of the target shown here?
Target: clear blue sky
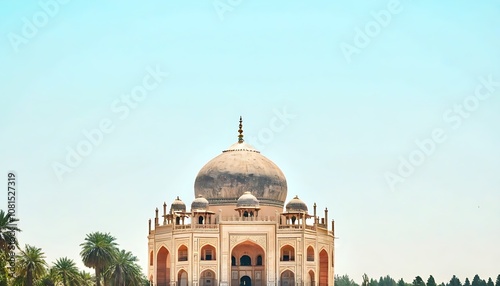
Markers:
(362, 80)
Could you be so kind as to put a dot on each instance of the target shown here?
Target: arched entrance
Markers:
(248, 264)
(245, 281)
(287, 278)
(207, 278)
(310, 279)
(182, 278)
(163, 267)
(323, 268)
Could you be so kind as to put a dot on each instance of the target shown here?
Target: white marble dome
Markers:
(237, 170)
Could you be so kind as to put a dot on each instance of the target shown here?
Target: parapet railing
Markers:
(251, 218)
(215, 226)
(200, 227)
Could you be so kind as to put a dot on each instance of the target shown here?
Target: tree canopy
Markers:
(99, 251)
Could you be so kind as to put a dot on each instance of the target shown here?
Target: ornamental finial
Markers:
(240, 136)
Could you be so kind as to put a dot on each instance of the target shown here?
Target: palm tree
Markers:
(7, 239)
(7, 230)
(124, 269)
(85, 279)
(31, 264)
(98, 251)
(51, 278)
(66, 269)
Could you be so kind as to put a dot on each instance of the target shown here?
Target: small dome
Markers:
(247, 200)
(296, 205)
(178, 206)
(200, 203)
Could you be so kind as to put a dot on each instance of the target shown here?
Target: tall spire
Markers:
(240, 136)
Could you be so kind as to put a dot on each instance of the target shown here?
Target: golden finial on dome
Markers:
(240, 136)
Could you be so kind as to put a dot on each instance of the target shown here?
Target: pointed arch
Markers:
(246, 280)
(244, 256)
(182, 253)
(323, 268)
(208, 252)
(287, 278)
(233, 260)
(311, 278)
(287, 253)
(163, 267)
(245, 260)
(259, 260)
(182, 278)
(310, 253)
(208, 278)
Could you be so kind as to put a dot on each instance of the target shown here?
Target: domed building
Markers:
(239, 231)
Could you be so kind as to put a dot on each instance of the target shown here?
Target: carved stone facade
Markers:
(251, 241)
